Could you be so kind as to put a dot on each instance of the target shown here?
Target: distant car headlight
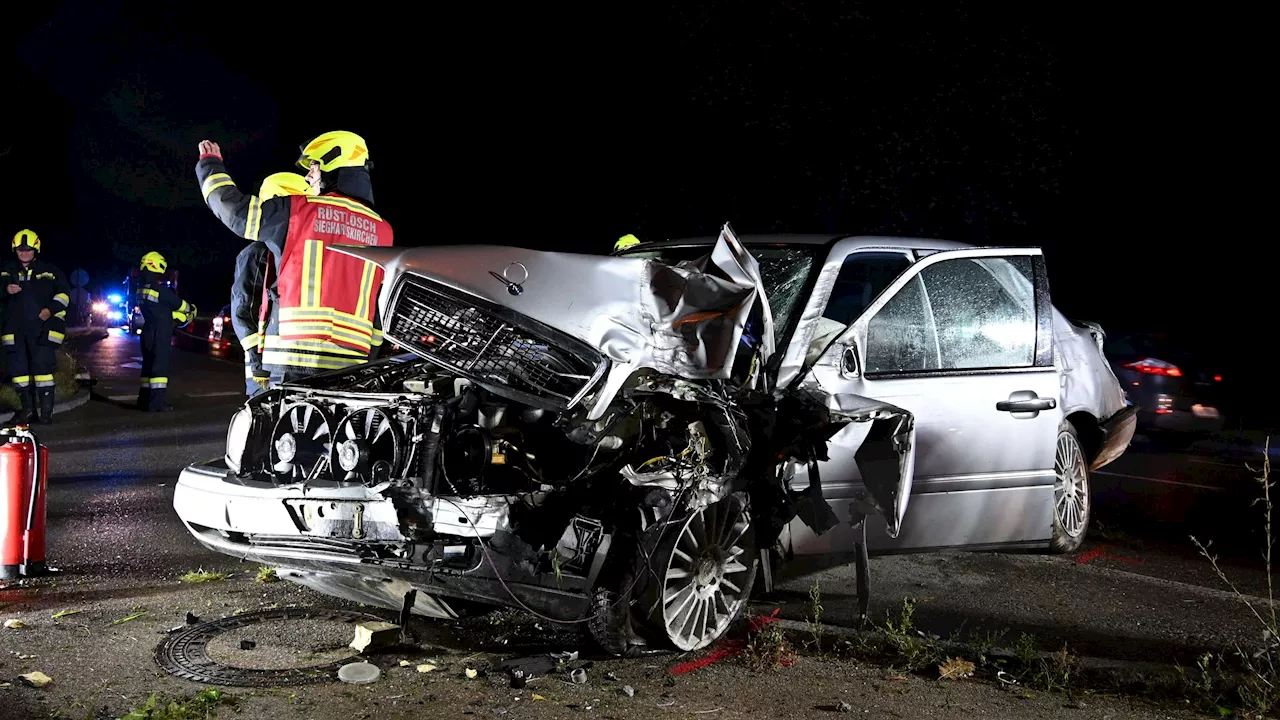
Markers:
(99, 307)
(115, 315)
(238, 437)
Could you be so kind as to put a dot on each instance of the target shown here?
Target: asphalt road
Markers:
(1137, 590)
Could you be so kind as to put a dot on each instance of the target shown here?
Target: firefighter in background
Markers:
(35, 324)
(250, 307)
(314, 326)
(161, 308)
(625, 242)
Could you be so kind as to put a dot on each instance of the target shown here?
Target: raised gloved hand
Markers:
(209, 147)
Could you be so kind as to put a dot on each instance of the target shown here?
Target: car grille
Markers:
(491, 343)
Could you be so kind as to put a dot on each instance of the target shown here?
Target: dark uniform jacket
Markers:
(246, 302)
(43, 287)
(161, 308)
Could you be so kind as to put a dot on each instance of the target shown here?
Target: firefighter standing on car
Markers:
(161, 308)
(324, 304)
(35, 323)
(250, 308)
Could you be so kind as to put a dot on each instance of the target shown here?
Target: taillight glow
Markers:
(1217, 378)
(1152, 366)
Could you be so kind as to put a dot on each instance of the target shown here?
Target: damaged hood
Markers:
(685, 320)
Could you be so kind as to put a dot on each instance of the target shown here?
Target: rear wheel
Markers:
(1072, 504)
(706, 564)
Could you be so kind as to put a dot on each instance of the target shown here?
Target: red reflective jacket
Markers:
(326, 313)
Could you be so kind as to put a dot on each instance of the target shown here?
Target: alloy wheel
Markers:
(1070, 486)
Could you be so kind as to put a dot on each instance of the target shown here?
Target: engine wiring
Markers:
(622, 597)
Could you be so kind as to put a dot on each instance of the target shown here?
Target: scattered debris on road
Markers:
(359, 673)
(130, 618)
(372, 635)
(36, 679)
(955, 668)
(14, 624)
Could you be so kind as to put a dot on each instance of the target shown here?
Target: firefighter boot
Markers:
(25, 415)
(46, 406)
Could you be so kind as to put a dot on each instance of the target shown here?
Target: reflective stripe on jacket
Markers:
(325, 314)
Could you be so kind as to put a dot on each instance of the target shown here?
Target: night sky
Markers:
(1127, 147)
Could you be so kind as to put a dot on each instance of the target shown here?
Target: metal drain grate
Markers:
(184, 652)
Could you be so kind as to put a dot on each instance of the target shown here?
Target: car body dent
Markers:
(640, 314)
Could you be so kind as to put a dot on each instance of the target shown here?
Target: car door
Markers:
(962, 340)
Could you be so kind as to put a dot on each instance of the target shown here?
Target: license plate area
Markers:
(345, 519)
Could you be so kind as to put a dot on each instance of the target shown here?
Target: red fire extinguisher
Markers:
(24, 470)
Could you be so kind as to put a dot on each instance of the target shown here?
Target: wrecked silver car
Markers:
(625, 441)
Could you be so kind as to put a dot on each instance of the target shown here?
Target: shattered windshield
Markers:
(784, 270)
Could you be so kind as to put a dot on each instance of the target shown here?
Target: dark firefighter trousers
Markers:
(153, 390)
(31, 367)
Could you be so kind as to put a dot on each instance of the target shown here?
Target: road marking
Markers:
(1159, 480)
(1237, 466)
(225, 393)
(121, 398)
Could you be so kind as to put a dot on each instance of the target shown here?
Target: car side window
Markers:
(862, 276)
(900, 337)
(961, 314)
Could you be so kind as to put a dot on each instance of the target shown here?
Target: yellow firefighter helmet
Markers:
(283, 183)
(154, 262)
(625, 242)
(26, 239)
(333, 150)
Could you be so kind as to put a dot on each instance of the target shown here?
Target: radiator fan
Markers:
(367, 447)
(301, 441)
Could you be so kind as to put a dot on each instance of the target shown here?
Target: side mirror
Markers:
(849, 361)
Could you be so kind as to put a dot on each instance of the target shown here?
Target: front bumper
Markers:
(339, 555)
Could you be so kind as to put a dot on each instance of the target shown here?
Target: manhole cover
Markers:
(263, 649)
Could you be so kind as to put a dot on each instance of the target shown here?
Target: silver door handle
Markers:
(1032, 405)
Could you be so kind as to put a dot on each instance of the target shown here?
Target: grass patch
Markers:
(1255, 689)
(768, 649)
(64, 378)
(203, 576)
(266, 575)
(199, 706)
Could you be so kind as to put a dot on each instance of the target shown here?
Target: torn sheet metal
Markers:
(684, 320)
(886, 456)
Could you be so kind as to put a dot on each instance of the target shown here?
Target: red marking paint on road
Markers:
(1102, 551)
(728, 648)
(1091, 555)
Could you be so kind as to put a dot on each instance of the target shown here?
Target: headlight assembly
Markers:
(237, 437)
